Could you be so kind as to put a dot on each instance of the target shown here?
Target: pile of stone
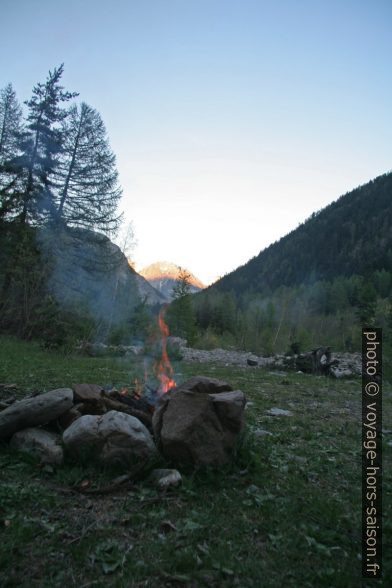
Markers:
(318, 361)
(103, 350)
(196, 423)
(348, 364)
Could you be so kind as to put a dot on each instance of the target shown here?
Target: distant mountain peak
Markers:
(167, 269)
(164, 275)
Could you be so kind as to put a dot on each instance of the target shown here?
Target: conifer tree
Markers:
(181, 314)
(10, 140)
(42, 145)
(86, 179)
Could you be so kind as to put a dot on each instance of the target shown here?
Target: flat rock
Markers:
(87, 392)
(112, 438)
(279, 412)
(35, 411)
(44, 445)
(203, 384)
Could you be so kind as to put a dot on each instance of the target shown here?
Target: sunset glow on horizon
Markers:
(231, 122)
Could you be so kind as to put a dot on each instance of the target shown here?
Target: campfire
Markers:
(164, 370)
(141, 398)
(197, 423)
(144, 394)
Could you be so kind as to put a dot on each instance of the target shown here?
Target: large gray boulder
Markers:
(197, 427)
(206, 385)
(112, 438)
(44, 445)
(35, 411)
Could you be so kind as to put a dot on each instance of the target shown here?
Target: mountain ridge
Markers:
(352, 235)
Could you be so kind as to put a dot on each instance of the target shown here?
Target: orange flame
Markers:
(138, 391)
(164, 370)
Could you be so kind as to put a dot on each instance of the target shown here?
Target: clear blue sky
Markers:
(232, 121)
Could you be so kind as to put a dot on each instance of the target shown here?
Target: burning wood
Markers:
(138, 391)
(164, 370)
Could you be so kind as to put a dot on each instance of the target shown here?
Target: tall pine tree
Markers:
(42, 145)
(86, 179)
(10, 142)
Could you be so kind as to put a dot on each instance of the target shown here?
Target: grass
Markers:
(285, 512)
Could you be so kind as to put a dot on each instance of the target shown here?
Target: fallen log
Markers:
(316, 362)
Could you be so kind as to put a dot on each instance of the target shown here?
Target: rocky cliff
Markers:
(88, 273)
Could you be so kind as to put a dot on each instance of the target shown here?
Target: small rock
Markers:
(168, 526)
(252, 362)
(252, 489)
(278, 412)
(166, 478)
(42, 444)
(261, 432)
(299, 458)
